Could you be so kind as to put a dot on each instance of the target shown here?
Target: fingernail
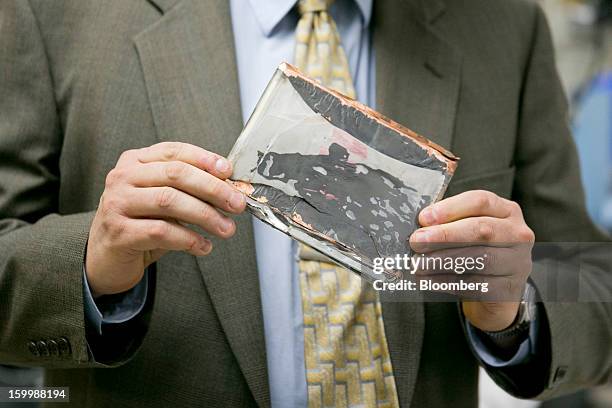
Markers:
(206, 247)
(428, 216)
(236, 201)
(227, 226)
(222, 165)
(422, 236)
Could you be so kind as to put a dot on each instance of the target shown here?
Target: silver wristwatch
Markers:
(526, 314)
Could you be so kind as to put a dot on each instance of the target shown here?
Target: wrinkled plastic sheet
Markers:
(335, 174)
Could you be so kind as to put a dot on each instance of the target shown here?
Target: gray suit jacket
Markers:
(82, 81)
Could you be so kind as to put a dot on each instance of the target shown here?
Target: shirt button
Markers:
(33, 349)
(42, 348)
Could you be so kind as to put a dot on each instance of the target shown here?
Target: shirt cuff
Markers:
(114, 309)
(487, 355)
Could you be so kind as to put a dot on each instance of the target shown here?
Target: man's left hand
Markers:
(482, 219)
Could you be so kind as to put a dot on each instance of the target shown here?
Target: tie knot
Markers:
(313, 6)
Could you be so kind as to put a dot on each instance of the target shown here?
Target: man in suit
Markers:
(114, 119)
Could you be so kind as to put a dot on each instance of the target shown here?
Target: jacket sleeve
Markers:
(41, 252)
(573, 348)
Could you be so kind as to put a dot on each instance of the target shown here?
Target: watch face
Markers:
(528, 304)
(530, 293)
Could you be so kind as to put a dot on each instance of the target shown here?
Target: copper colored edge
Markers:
(242, 186)
(433, 148)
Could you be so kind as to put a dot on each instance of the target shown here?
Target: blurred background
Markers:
(582, 32)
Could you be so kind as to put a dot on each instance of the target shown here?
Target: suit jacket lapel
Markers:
(189, 65)
(418, 76)
(417, 71)
(163, 5)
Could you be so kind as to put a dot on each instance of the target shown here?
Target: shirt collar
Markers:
(270, 12)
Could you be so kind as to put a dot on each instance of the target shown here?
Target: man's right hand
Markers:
(148, 197)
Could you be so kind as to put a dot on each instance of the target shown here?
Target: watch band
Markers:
(524, 315)
(512, 336)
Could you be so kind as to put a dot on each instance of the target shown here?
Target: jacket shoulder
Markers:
(514, 9)
(503, 30)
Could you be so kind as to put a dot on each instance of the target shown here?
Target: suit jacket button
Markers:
(42, 348)
(63, 346)
(53, 347)
(33, 349)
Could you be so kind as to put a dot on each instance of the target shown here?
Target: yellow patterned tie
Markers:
(345, 349)
(318, 51)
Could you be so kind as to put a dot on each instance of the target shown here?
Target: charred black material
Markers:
(365, 128)
(352, 203)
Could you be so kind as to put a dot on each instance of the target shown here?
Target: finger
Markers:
(475, 203)
(464, 232)
(190, 180)
(210, 162)
(168, 202)
(149, 235)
